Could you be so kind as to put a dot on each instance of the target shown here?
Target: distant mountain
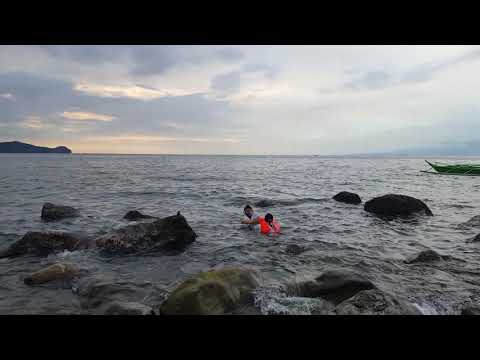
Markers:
(19, 147)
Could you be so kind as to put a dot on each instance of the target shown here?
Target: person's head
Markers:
(268, 217)
(248, 211)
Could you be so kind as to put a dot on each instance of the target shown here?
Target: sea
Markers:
(211, 191)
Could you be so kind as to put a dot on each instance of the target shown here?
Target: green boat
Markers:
(455, 169)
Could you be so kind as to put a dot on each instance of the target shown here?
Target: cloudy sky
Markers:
(239, 99)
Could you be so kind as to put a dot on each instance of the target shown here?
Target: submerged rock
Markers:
(128, 308)
(51, 212)
(264, 203)
(473, 222)
(294, 249)
(45, 243)
(170, 235)
(396, 205)
(135, 215)
(213, 292)
(471, 310)
(334, 286)
(375, 302)
(55, 272)
(97, 293)
(426, 256)
(474, 239)
(347, 197)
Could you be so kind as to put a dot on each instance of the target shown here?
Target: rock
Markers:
(264, 203)
(396, 205)
(347, 197)
(425, 256)
(294, 249)
(471, 310)
(170, 235)
(128, 308)
(135, 215)
(97, 293)
(45, 243)
(51, 212)
(55, 272)
(474, 239)
(473, 222)
(213, 292)
(375, 302)
(334, 286)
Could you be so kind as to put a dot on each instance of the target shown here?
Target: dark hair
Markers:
(268, 217)
(247, 207)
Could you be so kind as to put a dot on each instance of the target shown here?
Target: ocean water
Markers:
(211, 191)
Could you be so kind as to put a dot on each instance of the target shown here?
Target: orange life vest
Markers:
(266, 229)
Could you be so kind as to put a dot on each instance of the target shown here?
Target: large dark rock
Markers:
(170, 236)
(426, 256)
(375, 302)
(54, 273)
(347, 197)
(213, 292)
(51, 212)
(396, 205)
(334, 286)
(19, 147)
(471, 310)
(45, 243)
(135, 215)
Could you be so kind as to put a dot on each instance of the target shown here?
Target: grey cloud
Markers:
(146, 59)
(381, 79)
(232, 81)
(47, 98)
(371, 81)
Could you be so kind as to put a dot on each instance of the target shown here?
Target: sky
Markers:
(321, 100)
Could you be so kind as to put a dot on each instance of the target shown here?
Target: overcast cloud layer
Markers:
(240, 99)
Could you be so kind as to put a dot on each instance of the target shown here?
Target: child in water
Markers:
(268, 226)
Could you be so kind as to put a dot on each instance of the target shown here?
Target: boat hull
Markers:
(461, 169)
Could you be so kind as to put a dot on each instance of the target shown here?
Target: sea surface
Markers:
(211, 191)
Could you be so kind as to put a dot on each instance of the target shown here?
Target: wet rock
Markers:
(128, 308)
(97, 293)
(213, 292)
(474, 239)
(51, 212)
(264, 203)
(294, 249)
(55, 272)
(396, 205)
(135, 215)
(471, 310)
(347, 197)
(425, 256)
(375, 302)
(169, 236)
(45, 243)
(472, 223)
(334, 286)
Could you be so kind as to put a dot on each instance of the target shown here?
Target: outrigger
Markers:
(455, 169)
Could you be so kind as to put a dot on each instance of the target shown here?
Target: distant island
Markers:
(14, 147)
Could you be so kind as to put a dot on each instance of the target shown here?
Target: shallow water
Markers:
(210, 191)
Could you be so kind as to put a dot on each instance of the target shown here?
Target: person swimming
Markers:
(268, 226)
(250, 215)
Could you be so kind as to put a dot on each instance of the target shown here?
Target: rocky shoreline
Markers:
(227, 290)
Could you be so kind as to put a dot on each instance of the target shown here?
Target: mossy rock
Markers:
(214, 292)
